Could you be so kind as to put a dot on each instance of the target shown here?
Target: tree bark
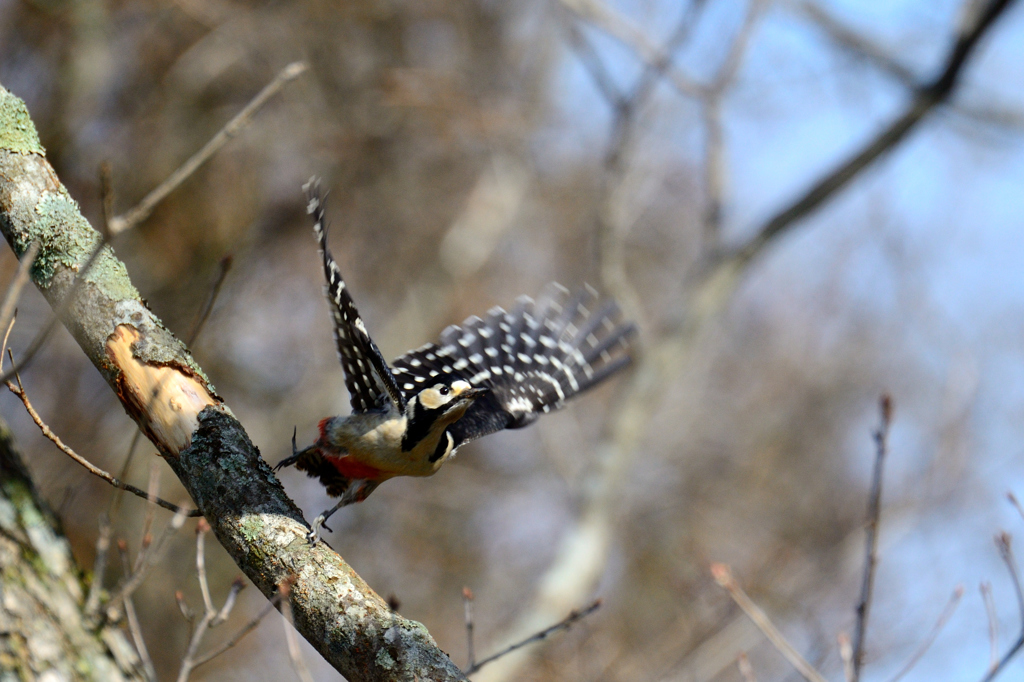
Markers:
(44, 634)
(178, 409)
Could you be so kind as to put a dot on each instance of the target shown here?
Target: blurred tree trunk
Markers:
(44, 634)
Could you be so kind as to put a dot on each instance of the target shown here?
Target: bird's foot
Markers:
(314, 533)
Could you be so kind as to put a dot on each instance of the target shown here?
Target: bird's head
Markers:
(446, 401)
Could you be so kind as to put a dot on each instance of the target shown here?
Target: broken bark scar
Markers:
(164, 400)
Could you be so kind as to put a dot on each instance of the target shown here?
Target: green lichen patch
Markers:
(68, 241)
(17, 132)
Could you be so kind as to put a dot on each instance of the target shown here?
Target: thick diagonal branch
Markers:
(173, 402)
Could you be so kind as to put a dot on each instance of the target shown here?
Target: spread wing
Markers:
(370, 383)
(533, 358)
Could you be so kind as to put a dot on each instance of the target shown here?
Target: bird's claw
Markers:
(314, 533)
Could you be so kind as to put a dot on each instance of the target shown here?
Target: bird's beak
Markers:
(472, 393)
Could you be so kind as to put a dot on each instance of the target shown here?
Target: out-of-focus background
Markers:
(476, 150)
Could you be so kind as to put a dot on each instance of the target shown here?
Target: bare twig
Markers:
(209, 612)
(150, 556)
(711, 113)
(540, 636)
(58, 312)
(993, 623)
(133, 620)
(204, 313)
(944, 617)
(1015, 503)
(603, 17)
(141, 211)
(106, 197)
(17, 284)
(846, 655)
(467, 602)
(294, 652)
(1003, 541)
(743, 663)
(238, 636)
(723, 576)
(99, 567)
(926, 97)
(871, 544)
(19, 391)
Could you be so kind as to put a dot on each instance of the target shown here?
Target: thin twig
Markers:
(1003, 541)
(202, 528)
(204, 313)
(209, 612)
(58, 312)
(467, 603)
(711, 113)
(294, 652)
(133, 620)
(106, 173)
(19, 391)
(564, 624)
(846, 655)
(238, 636)
(99, 567)
(723, 576)
(152, 555)
(993, 623)
(947, 613)
(142, 210)
(1016, 504)
(871, 544)
(17, 284)
(743, 663)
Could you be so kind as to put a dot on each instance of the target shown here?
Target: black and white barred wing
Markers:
(533, 358)
(367, 377)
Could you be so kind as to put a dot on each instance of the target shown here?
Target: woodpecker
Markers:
(497, 372)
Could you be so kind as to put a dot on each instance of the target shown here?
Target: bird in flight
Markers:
(498, 372)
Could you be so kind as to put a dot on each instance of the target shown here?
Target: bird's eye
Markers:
(443, 390)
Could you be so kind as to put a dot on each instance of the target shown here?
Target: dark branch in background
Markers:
(871, 544)
(1004, 543)
(540, 636)
(141, 211)
(861, 46)
(925, 98)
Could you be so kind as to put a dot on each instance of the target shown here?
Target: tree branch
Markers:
(926, 98)
(195, 432)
